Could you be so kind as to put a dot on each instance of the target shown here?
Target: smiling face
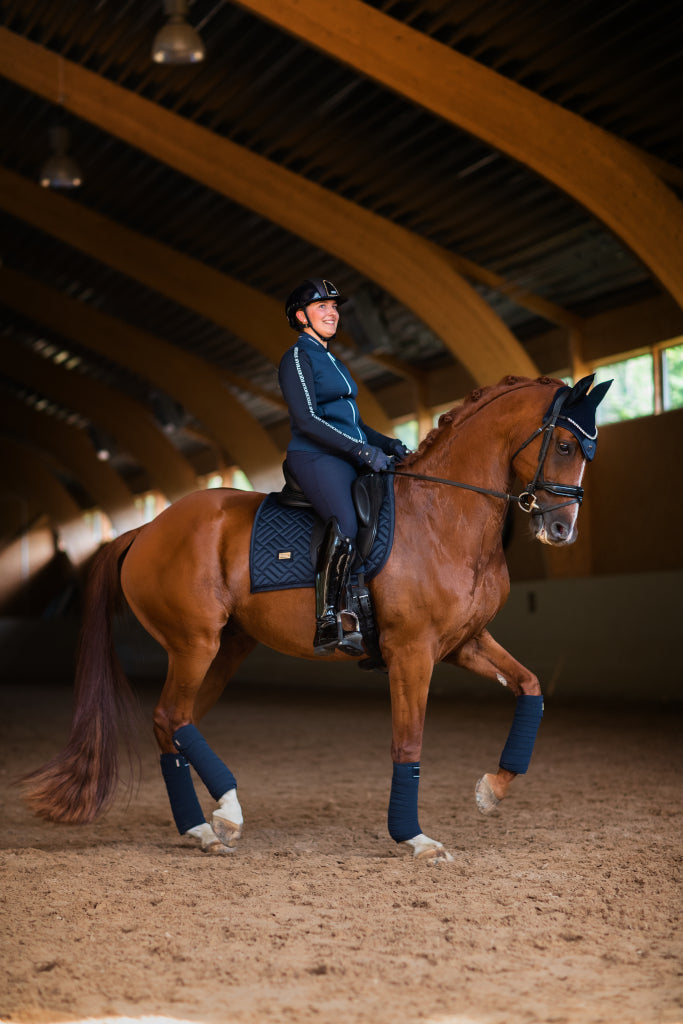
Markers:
(323, 318)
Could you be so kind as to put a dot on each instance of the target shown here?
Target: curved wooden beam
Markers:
(408, 266)
(70, 447)
(604, 174)
(184, 376)
(34, 476)
(124, 419)
(19, 513)
(245, 311)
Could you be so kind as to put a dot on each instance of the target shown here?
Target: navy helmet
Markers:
(313, 290)
(577, 411)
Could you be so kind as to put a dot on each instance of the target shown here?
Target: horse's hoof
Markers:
(216, 849)
(486, 799)
(428, 850)
(210, 842)
(438, 855)
(228, 832)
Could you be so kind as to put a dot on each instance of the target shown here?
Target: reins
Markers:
(454, 483)
(527, 500)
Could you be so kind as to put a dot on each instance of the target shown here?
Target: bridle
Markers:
(527, 500)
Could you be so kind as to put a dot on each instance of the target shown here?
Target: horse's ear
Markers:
(580, 390)
(599, 392)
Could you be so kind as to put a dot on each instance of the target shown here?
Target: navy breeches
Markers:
(326, 481)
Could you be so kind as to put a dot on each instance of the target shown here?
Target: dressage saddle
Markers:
(368, 492)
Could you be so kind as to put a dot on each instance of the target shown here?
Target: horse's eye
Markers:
(564, 447)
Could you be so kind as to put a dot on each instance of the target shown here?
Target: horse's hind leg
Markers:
(226, 821)
(196, 677)
(487, 658)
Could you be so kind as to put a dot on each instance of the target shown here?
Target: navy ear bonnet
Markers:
(577, 411)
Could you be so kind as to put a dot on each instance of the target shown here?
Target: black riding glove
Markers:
(397, 449)
(374, 458)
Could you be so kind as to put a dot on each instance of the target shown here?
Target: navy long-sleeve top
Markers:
(321, 396)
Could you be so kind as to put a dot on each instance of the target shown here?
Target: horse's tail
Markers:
(79, 783)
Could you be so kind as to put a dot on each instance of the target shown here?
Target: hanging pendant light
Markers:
(177, 42)
(60, 170)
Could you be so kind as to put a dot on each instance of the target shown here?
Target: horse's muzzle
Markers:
(552, 529)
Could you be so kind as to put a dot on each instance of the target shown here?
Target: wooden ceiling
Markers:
(473, 174)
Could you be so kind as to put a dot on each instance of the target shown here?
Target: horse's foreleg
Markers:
(409, 678)
(487, 658)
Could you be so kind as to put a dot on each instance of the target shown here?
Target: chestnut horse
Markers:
(186, 577)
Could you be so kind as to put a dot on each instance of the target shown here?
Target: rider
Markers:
(329, 444)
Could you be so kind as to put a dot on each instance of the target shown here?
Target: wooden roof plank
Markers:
(409, 267)
(247, 312)
(596, 168)
(187, 378)
(125, 420)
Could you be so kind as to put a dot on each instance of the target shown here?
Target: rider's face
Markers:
(323, 317)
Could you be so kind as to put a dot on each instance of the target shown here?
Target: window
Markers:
(672, 377)
(99, 526)
(647, 383)
(150, 505)
(633, 392)
(407, 432)
(241, 481)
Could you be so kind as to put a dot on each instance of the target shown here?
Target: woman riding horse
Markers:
(186, 578)
(329, 444)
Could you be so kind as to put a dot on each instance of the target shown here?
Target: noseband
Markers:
(527, 500)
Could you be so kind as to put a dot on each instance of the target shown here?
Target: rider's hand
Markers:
(397, 449)
(374, 458)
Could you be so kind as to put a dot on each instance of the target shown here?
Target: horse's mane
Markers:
(471, 404)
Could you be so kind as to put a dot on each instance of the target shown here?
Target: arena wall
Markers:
(608, 637)
(632, 516)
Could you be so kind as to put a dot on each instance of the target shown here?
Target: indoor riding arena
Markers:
(202, 820)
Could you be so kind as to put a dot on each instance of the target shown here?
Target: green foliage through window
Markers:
(407, 432)
(241, 481)
(672, 377)
(633, 392)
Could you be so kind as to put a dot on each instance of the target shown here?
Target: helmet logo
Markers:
(330, 289)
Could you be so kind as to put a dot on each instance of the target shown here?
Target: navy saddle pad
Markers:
(280, 552)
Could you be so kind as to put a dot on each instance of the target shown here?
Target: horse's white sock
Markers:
(229, 808)
(204, 833)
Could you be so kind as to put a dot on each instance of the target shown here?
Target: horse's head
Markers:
(566, 441)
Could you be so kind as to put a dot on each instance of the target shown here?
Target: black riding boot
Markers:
(335, 558)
